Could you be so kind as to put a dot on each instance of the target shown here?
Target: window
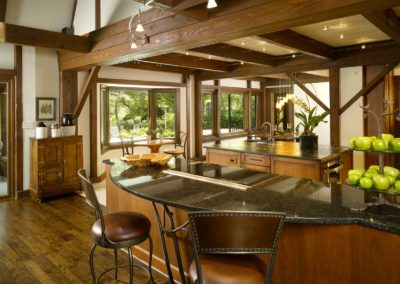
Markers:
(133, 112)
(208, 121)
(232, 112)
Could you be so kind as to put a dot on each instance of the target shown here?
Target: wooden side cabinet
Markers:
(54, 166)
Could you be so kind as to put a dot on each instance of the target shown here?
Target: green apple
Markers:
(394, 144)
(379, 145)
(374, 167)
(352, 143)
(365, 182)
(353, 178)
(380, 182)
(373, 137)
(392, 180)
(390, 171)
(370, 174)
(363, 143)
(360, 171)
(397, 185)
(387, 137)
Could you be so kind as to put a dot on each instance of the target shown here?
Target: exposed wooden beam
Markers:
(181, 60)
(382, 53)
(258, 19)
(387, 21)
(3, 8)
(6, 73)
(293, 40)
(184, 4)
(86, 90)
(36, 37)
(308, 92)
(369, 87)
(311, 78)
(98, 14)
(139, 82)
(154, 67)
(197, 13)
(236, 53)
(73, 14)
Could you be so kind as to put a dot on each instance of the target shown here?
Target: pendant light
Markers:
(139, 27)
(211, 4)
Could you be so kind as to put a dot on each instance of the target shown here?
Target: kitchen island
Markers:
(281, 157)
(333, 233)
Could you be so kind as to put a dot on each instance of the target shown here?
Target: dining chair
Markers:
(226, 245)
(115, 231)
(127, 145)
(180, 146)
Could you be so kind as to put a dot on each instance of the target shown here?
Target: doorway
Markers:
(4, 188)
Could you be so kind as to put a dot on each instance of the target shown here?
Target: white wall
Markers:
(6, 56)
(351, 121)
(321, 90)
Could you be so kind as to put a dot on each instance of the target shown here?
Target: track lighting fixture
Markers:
(211, 4)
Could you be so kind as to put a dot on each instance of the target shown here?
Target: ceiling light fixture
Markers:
(363, 46)
(293, 55)
(264, 49)
(325, 28)
(135, 39)
(341, 36)
(242, 43)
(211, 4)
(187, 53)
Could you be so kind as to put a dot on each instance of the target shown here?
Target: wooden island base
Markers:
(308, 253)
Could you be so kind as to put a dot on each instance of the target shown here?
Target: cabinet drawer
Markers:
(224, 158)
(256, 168)
(257, 160)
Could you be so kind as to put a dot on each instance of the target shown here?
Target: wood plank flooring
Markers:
(50, 243)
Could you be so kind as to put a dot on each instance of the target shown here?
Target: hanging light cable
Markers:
(211, 4)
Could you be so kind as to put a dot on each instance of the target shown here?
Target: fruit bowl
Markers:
(136, 160)
(157, 158)
(390, 190)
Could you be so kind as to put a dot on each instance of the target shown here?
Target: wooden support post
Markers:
(86, 90)
(186, 80)
(3, 8)
(19, 149)
(98, 14)
(68, 91)
(93, 132)
(216, 112)
(198, 111)
(334, 95)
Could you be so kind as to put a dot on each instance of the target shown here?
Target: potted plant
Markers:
(308, 139)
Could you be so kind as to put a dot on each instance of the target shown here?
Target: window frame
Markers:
(152, 112)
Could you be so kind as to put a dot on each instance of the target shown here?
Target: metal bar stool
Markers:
(116, 230)
(225, 244)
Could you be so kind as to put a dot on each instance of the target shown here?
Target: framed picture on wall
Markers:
(45, 108)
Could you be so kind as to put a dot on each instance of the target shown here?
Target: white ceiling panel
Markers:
(257, 44)
(203, 55)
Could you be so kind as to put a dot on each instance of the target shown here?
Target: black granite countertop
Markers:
(281, 149)
(303, 200)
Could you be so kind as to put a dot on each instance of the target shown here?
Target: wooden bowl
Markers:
(158, 158)
(136, 160)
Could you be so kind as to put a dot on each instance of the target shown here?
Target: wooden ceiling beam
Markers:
(188, 61)
(383, 53)
(259, 19)
(184, 4)
(236, 53)
(303, 44)
(307, 91)
(3, 8)
(387, 21)
(35, 37)
(197, 13)
(155, 67)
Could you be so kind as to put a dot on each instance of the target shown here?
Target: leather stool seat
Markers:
(175, 151)
(230, 269)
(123, 226)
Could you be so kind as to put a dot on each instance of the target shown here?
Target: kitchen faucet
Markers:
(271, 136)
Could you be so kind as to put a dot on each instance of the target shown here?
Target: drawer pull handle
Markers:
(256, 160)
(232, 160)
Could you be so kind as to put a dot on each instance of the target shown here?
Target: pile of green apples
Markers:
(372, 179)
(372, 143)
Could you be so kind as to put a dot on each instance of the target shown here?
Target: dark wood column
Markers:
(93, 133)
(198, 127)
(334, 96)
(19, 148)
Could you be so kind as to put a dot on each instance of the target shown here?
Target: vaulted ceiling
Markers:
(240, 38)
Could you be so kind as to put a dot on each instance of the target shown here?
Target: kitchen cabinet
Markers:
(54, 166)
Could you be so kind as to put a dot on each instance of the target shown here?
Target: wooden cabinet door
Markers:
(72, 156)
(296, 168)
(50, 164)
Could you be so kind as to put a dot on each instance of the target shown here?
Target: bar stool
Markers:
(116, 230)
(225, 244)
(180, 146)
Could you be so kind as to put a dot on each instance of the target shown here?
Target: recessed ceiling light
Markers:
(264, 49)
(241, 62)
(293, 55)
(341, 36)
(325, 28)
(242, 43)
(363, 46)
(209, 57)
(187, 53)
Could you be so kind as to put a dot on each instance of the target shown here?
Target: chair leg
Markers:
(130, 266)
(150, 259)
(116, 263)
(91, 264)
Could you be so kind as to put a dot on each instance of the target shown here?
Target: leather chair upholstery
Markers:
(226, 245)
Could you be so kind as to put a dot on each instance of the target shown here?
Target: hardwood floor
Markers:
(50, 243)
